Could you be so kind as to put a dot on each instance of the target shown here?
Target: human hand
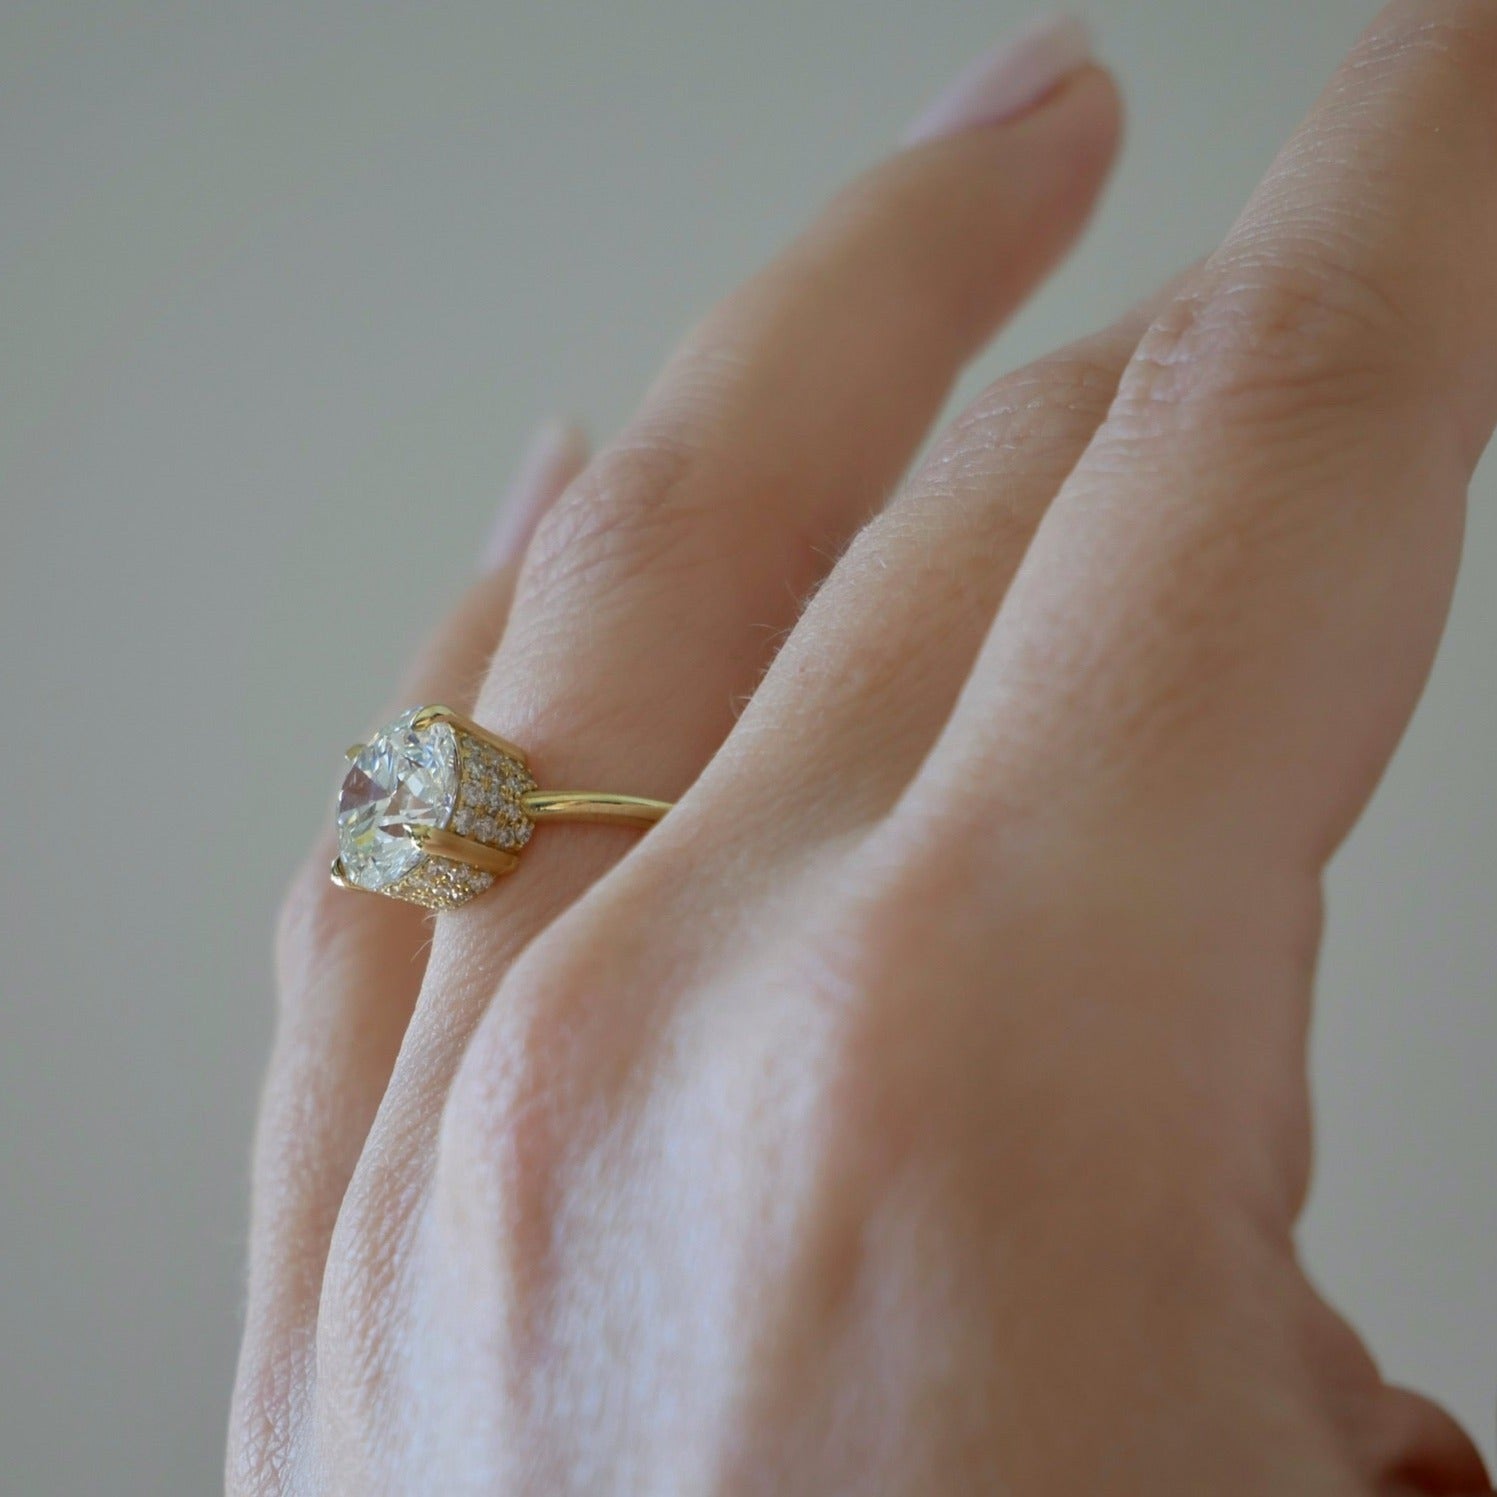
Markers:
(921, 1106)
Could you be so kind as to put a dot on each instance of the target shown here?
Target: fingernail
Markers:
(557, 453)
(1009, 80)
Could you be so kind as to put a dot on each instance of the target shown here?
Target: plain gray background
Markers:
(283, 289)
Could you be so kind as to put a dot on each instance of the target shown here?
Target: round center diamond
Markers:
(403, 777)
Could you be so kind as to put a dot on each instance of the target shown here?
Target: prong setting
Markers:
(435, 808)
(428, 715)
(440, 844)
(432, 810)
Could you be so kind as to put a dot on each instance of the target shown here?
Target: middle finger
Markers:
(871, 673)
(655, 591)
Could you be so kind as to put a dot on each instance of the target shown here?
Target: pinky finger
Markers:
(349, 970)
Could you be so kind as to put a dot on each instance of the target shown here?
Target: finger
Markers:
(1227, 615)
(349, 969)
(654, 592)
(651, 592)
(869, 676)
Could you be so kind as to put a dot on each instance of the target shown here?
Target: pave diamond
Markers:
(402, 777)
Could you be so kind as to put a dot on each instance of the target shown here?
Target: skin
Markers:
(921, 1107)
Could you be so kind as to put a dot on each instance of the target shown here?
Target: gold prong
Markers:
(463, 850)
(353, 751)
(428, 715)
(339, 876)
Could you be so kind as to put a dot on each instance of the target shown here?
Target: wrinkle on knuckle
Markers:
(503, 1133)
(985, 479)
(1276, 340)
(1458, 37)
(862, 953)
(1040, 415)
(1075, 382)
(626, 517)
(895, 1054)
(685, 485)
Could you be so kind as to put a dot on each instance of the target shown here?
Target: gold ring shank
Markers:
(594, 806)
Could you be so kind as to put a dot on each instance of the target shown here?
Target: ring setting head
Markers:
(431, 810)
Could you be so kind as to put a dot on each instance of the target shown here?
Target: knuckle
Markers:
(906, 1081)
(1455, 38)
(1281, 334)
(1056, 396)
(842, 974)
(624, 517)
(1040, 417)
(900, 1055)
(503, 1132)
(1031, 426)
(877, 947)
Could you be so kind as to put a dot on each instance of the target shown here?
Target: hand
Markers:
(921, 1107)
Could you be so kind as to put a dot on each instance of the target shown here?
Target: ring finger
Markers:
(349, 970)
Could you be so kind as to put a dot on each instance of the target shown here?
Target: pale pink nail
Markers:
(1009, 80)
(557, 453)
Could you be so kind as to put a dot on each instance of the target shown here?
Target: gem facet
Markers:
(404, 777)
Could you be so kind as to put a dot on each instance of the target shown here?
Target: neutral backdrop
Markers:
(283, 290)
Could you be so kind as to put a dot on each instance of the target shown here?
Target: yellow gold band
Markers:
(593, 806)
